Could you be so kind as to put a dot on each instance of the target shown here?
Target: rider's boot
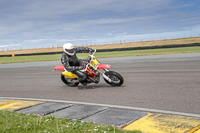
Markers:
(84, 83)
(82, 77)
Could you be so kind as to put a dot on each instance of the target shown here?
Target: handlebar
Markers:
(91, 56)
(94, 52)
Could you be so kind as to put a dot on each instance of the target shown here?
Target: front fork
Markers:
(106, 77)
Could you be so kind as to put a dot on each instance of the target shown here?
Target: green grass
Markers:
(12, 122)
(36, 58)
(149, 52)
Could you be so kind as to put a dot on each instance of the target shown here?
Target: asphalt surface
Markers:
(163, 82)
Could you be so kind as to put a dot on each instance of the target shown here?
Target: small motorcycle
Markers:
(92, 68)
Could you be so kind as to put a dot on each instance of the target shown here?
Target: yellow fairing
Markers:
(70, 75)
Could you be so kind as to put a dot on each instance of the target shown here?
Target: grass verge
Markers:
(12, 122)
(36, 58)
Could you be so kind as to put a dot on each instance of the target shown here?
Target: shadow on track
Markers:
(98, 87)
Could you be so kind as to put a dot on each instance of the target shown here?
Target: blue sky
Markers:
(46, 23)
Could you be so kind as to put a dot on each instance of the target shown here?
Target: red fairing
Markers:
(61, 68)
(104, 66)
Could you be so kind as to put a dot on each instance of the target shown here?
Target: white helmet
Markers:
(68, 48)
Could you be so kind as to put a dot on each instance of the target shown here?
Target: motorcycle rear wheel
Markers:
(71, 84)
(117, 79)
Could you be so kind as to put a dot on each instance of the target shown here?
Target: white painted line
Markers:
(111, 106)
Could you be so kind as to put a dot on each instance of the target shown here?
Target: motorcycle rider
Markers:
(72, 63)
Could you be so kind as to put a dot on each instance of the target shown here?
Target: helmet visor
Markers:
(70, 50)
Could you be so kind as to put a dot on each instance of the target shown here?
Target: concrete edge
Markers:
(111, 106)
(159, 121)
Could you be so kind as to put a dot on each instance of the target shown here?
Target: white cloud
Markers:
(10, 45)
(72, 40)
(35, 41)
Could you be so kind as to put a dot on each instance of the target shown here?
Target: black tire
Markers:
(117, 79)
(71, 84)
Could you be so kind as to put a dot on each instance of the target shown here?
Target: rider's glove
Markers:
(91, 49)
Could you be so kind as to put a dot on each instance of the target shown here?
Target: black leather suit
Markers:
(73, 64)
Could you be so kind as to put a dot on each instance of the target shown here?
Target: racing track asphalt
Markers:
(163, 82)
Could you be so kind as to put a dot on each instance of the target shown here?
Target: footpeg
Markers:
(93, 80)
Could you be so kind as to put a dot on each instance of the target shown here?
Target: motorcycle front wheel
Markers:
(117, 79)
(69, 81)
